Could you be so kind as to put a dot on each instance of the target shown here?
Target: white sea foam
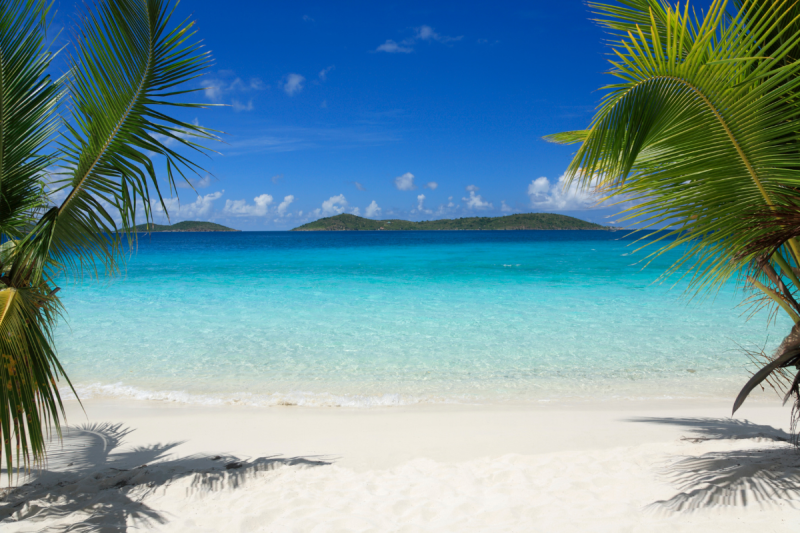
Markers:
(293, 398)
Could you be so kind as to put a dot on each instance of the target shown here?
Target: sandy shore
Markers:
(667, 466)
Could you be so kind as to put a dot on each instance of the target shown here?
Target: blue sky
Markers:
(414, 110)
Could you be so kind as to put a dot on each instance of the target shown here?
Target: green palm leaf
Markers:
(28, 104)
(700, 134)
(130, 64)
(700, 127)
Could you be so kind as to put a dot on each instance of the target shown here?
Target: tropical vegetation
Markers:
(181, 227)
(700, 133)
(76, 171)
(522, 221)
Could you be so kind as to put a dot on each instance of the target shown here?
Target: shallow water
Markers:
(377, 318)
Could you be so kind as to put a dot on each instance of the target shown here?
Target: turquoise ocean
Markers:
(370, 319)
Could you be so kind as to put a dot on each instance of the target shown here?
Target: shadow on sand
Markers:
(94, 486)
(767, 475)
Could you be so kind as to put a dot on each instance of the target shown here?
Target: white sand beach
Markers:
(153, 466)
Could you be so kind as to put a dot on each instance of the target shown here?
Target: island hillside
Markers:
(185, 226)
(529, 221)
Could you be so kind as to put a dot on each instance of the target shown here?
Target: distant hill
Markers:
(185, 226)
(529, 221)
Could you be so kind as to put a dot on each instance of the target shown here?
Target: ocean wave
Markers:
(293, 398)
(300, 398)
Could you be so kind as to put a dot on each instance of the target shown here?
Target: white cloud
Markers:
(475, 201)
(213, 90)
(431, 185)
(471, 188)
(422, 33)
(202, 183)
(323, 74)
(539, 186)
(426, 33)
(392, 47)
(405, 182)
(294, 84)
(238, 106)
(284, 205)
(216, 88)
(334, 205)
(355, 211)
(504, 207)
(240, 208)
(372, 210)
(359, 186)
(276, 178)
(559, 196)
(201, 207)
(421, 204)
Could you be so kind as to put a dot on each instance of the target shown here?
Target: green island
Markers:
(529, 221)
(182, 227)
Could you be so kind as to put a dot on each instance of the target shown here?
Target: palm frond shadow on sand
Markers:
(767, 476)
(89, 484)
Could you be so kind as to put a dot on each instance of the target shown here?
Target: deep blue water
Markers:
(385, 318)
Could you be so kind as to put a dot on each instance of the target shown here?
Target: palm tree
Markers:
(700, 133)
(87, 139)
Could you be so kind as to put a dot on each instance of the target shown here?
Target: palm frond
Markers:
(29, 398)
(567, 137)
(28, 102)
(130, 63)
(690, 137)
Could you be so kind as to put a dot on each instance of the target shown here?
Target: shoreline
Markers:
(436, 431)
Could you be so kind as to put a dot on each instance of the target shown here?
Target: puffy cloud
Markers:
(334, 205)
(372, 210)
(432, 185)
(505, 208)
(421, 204)
(240, 208)
(392, 47)
(471, 188)
(355, 211)
(201, 207)
(284, 205)
(359, 186)
(323, 74)
(405, 182)
(475, 201)
(559, 196)
(294, 84)
(277, 178)
(539, 186)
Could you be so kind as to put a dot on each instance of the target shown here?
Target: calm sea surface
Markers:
(376, 318)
